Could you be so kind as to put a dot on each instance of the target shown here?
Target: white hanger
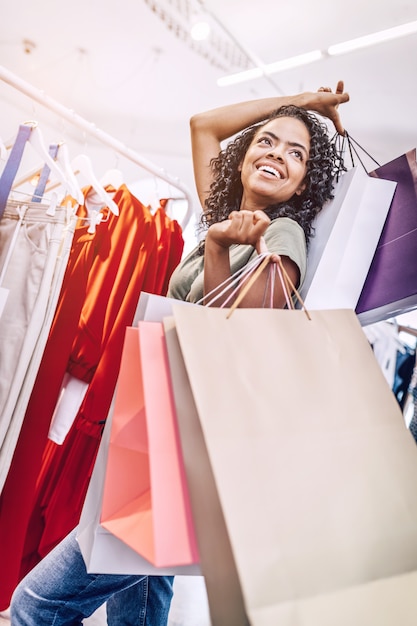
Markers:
(62, 158)
(113, 177)
(36, 141)
(82, 164)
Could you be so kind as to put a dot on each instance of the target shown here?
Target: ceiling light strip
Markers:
(374, 38)
(271, 68)
(301, 59)
(316, 55)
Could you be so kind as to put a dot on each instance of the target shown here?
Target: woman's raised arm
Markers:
(210, 128)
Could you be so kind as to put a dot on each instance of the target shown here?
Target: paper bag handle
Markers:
(286, 282)
(243, 279)
(237, 279)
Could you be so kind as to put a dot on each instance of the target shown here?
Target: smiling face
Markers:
(275, 164)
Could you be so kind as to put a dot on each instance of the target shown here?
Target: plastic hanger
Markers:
(44, 175)
(63, 160)
(408, 330)
(112, 177)
(82, 164)
(36, 141)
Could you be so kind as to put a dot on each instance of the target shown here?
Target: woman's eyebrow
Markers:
(293, 144)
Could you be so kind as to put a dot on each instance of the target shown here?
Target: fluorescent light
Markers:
(316, 55)
(370, 40)
(286, 64)
(240, 77)
(271, 68)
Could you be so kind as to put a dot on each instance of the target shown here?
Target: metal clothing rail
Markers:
(68, 114)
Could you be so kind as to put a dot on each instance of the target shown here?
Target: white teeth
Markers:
(270, 170)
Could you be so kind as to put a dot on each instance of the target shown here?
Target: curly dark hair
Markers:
(226, 190)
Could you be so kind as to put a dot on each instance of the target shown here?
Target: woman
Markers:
(269, 183)
(279, 168)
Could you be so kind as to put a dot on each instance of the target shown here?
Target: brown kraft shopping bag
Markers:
(313, 466)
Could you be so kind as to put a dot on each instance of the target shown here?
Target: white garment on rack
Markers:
(383, 337)
(71, 396)
(36, 332)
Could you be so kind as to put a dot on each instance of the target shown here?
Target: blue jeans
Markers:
(59, 591)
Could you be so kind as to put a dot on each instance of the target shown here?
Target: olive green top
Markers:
(283, 236)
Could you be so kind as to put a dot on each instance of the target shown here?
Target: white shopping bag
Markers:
(347, 231)
(153, 308)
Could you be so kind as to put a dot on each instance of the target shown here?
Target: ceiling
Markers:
(137, 77)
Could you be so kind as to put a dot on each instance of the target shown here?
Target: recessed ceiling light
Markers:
(200, 30)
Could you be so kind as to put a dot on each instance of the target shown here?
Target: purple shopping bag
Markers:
(390, 287)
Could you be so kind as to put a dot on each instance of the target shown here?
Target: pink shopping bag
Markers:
(145, 502)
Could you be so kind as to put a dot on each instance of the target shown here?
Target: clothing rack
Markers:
(113, 143)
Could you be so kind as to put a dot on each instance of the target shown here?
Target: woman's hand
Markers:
(242, 227)
(326, 103)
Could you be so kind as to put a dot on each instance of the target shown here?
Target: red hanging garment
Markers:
(67, 468)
